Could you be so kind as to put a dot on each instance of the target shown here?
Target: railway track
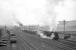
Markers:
(67, 42)
(36, 44)
(60, 44)
(26, 45)
(31, 41)
(42, 42)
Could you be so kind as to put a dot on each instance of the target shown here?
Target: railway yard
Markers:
(26, 41)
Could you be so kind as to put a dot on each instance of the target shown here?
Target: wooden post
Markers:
(64, 26)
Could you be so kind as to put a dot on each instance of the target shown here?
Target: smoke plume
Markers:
(37, 12)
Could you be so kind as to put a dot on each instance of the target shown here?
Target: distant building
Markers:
(44, 28)
(69, 26)
(35, 27)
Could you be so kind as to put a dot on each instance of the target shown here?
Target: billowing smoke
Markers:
(61, 10)
(34, 12)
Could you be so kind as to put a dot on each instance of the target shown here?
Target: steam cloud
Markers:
(32, 12)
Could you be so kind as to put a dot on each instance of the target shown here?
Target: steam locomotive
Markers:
(49, 35)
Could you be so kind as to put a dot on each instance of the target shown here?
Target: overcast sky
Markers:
(42, 12)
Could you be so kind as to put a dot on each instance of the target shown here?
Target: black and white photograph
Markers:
(37, 24)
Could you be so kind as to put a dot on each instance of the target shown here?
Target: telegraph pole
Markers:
(64, 25)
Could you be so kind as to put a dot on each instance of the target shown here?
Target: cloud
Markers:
(30, 11)
(65, 10)
(43, 12)
(59, 10)
(5, 13)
